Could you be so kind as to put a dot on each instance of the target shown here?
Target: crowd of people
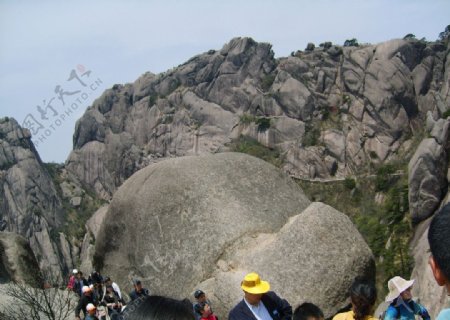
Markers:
(100, 297)
(260, 303)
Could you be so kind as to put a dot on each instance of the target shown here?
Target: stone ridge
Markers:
(30, 204)
(329, 112)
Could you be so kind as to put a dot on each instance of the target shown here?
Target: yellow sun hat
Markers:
(252, 283)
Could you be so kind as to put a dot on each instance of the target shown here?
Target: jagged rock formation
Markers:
(88, 246)
(429, 175)
(30, 204)
(428, 172)
(17, 261)
(330, 111)
(212, 218)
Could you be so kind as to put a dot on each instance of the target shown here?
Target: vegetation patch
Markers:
(247, 118)
(262, 122)
(74, 219)
(312, 135)
(267, 81)
(446, 114)
(386, 227)
(254, 148)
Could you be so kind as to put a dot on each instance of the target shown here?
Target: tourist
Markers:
(112, 301)
(200, 298)
(85, 299)
(91, 312)
(109, 282)
(259, 303)
(138, 291)
(308, 311)
(439, 239)
(402, 306)
(205, 311)
(72, 278)
(80, 282)
(363, 296)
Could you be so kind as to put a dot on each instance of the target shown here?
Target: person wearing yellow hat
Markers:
(259, 303)
(402, 304)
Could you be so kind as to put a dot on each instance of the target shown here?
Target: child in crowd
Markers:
(308, 311)
(205, 311)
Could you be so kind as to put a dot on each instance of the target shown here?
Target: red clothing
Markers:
(71, 283)
(210, 317)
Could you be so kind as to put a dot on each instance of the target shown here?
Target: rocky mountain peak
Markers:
(335, 108)
(29, 201)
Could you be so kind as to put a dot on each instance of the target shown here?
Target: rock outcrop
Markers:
(17, 261)
(315, 269)
(329, 111)
(425, 287)
(88, 246)
(30, 205)
(207, 220)
(429, 177)
(428, 172)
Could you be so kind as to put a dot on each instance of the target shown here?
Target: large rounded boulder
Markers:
(205, 221)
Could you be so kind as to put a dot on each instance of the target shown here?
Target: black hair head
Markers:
(199, 307)
(439, 239)
(307, 310)
(363, 295)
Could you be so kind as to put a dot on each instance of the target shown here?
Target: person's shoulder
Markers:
(237, 307)
(272, 295)
(391, 310)
(444, 315)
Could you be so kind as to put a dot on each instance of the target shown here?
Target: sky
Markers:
(57, 57)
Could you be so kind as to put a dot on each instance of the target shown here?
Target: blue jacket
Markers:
(402, 313)
(279, 309)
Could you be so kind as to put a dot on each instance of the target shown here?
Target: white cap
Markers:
(90, 306)
(74, 271)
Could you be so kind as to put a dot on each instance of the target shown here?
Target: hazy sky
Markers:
(45, 44)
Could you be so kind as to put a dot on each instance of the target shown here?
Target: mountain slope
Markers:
(330, 112)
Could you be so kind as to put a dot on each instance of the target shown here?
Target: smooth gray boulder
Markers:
(184, 221)
(304, 261)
